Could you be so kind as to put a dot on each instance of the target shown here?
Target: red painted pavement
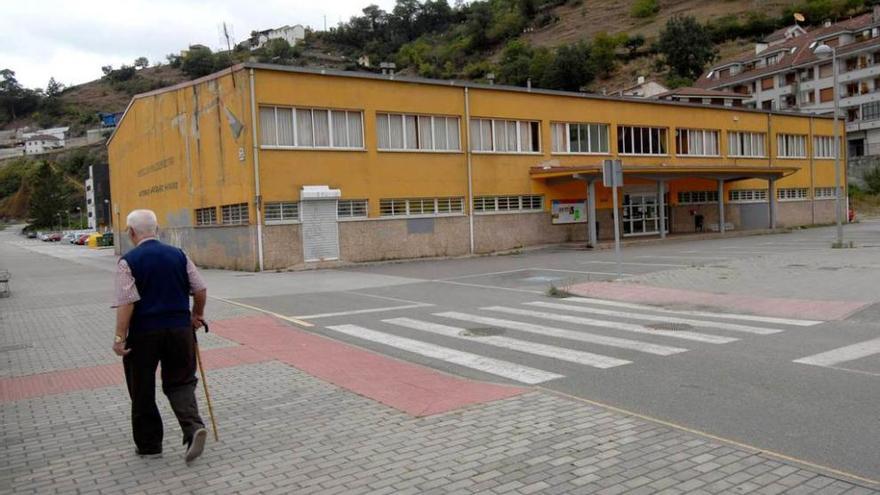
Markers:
(64, 381)
(416, 390)
(413, 389)
(766, 306)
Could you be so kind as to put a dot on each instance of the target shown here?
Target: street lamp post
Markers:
(823, 51)
(107, 217)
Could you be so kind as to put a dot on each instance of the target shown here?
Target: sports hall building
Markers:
(267, 167)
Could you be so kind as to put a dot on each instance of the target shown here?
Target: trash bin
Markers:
(93, 240)
(107, 239)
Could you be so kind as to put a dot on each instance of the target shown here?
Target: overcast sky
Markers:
(72, 40)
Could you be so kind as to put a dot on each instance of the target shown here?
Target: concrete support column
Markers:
(771, 201)
(721, 220)
(661, 201)
(591, 213)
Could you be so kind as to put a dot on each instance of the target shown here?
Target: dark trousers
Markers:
(175, 349)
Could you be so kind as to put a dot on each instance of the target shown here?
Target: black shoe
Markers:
(196, 444)
(148, 455)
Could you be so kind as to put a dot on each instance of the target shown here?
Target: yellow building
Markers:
(264, 167)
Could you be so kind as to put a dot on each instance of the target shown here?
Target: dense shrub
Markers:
(644, 8)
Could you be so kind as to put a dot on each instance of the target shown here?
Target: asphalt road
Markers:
(747, 390)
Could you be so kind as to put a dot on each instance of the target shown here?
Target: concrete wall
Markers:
(511, 231)
(857, 166)
(374, 240)
(793, 213)
(282, 246)
(229, 247)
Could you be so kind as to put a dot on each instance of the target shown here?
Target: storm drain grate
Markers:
(14, 347)
(675, 327)
(482, 332)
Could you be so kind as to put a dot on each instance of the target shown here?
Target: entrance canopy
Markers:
(665, 172)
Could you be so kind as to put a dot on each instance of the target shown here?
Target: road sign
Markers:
(612, 173)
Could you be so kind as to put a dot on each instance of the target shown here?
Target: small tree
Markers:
(644, 8)
(686, 47)
(141, 63)
(54, 88)
(198, 61)
(49, 196)
(872, 180)
(633, 43)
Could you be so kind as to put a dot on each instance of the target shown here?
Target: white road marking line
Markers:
(615, 325)
(265, 311)
(481, 286)
(666, 319)
(729, 316)
(362, 311)
(645, 263)
(679, 257)
(570, 355)
(387, 298)
(647, 347)
(843, 354)
(518, 270)
(496, 367)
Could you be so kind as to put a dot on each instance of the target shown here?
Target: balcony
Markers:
(861, 72)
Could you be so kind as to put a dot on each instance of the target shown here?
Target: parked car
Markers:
(31, 234)
(68, 237)
(55, 237)
(82, 239)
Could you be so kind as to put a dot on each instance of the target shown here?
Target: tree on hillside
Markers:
(277, 51)
(571, 69)
(141, 63)
(686, 47)
(515, 65)
(633, 43)
(49, 196)
(198, 61)
(54, 88)
(15, 100)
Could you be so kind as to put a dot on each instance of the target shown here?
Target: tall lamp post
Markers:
(107, 218)
(824, 51)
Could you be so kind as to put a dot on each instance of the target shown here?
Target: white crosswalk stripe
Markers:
(570, 355)
(635, 345)
(506, 369)
(726, 316)
(843, 354)
(665, 319)
(615, 325)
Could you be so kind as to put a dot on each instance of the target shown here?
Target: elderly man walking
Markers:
(154, 325)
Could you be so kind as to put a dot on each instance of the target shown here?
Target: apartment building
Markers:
(267, 167)
(783, 73)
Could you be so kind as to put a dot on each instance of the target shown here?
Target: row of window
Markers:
(234, 214)
(343, 129)
(782, 194)
(288, 211)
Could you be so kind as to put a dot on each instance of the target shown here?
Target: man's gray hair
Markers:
(143, 222)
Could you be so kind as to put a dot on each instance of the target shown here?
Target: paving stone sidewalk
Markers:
(283, 431)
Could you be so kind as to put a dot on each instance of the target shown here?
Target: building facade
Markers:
(267, 167)
(97, 188)
(783, 73)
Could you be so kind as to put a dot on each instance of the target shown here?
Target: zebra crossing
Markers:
(593, 332)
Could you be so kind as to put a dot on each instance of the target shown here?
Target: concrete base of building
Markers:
(235, 247)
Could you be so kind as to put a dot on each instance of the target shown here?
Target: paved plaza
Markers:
(757, 375)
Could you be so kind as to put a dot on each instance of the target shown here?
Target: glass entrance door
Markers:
(641, 214)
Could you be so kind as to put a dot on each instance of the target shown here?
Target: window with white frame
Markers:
(823, 147)
(351, 208)
(579, 138)
(792, 193)
(748, 195)
(206, 216)
(420, 207)
(824, 193)
(505, 136)
(281, 211)
(236, 214)
(791, 146)
(285, 127)
(696, 142)
(402, 132)
(633, 140)
(697, 197)
(490, 204)
(746, 144)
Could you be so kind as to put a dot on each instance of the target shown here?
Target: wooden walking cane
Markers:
(204, 381)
